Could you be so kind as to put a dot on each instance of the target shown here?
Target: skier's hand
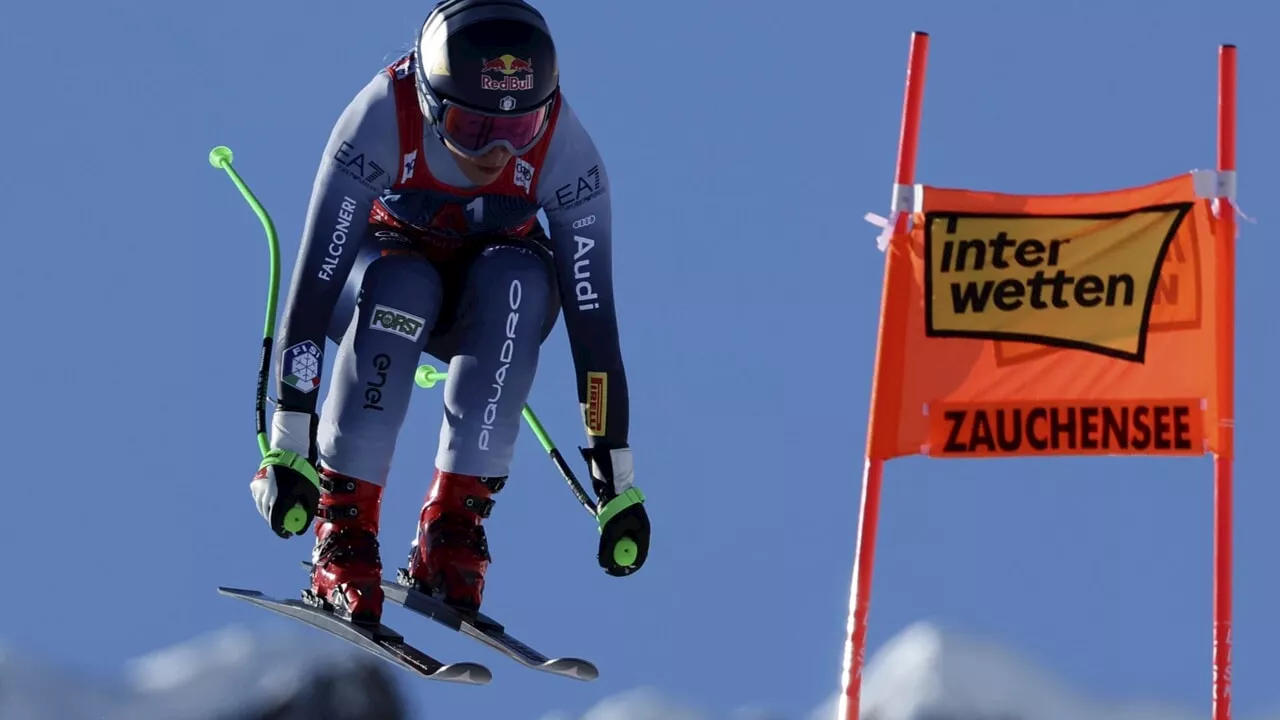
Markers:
(624, 523)
(286, 490)
(624, 534)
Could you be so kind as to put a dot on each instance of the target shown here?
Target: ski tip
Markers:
(572, 668)
(465, 672)
(239, 592)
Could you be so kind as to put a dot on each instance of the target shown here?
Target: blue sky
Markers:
(744, 143)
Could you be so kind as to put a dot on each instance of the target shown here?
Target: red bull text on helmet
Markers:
(507, 66)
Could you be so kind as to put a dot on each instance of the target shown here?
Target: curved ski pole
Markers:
(427, 376)
(221, 158)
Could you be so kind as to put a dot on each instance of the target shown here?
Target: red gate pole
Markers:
(885, 388)
(1222, 463)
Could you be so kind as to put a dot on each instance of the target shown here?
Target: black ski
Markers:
(485, 629)
(381, 641)
(482, 628)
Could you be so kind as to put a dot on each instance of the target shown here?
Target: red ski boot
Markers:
(347, 576)
(451, 554)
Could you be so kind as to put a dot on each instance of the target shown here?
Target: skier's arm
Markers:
(360, 159)
(574, 192)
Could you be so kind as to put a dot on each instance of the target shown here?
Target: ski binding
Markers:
(482, 628)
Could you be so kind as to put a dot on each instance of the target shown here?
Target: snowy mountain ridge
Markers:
(232, 674)
(926, 673)
(923, 673)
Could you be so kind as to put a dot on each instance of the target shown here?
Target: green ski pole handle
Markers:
(221, 158)
(296, 519)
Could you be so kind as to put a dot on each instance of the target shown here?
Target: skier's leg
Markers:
(373, 371)
(368, 399)
(506, 309)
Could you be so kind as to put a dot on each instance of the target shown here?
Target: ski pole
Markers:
(427, 376)
(221, 157)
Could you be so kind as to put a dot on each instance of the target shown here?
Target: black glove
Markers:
(286, 489)
(624, 523)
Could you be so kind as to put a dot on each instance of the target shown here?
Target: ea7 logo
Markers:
(396, 322)
(588, 186)
(356, 166)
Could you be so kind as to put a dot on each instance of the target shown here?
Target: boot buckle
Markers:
(337, 485)
(478, 505)
(331, 513)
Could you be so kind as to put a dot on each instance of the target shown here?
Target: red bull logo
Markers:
(507, 67)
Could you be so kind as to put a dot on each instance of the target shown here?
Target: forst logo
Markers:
(513, 73)
(396, 322)
(1081, 282)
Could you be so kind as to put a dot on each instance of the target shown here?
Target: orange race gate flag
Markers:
(1096, 323)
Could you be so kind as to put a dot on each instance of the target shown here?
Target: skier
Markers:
(421, 236)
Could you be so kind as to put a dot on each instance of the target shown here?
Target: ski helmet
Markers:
(487, 74)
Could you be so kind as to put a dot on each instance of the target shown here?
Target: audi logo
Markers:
(579, 224)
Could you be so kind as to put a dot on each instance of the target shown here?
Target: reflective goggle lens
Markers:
(477, 132)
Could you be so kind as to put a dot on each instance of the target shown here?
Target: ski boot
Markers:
(450, 554)
(347, 569)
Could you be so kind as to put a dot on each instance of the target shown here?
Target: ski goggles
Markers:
(475, 133)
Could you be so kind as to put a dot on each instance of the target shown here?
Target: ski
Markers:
(483, 628)
(381, 641)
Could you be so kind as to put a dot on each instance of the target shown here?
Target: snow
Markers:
(232, 674)
(926, 673)
(923, 673)
(31, 689)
